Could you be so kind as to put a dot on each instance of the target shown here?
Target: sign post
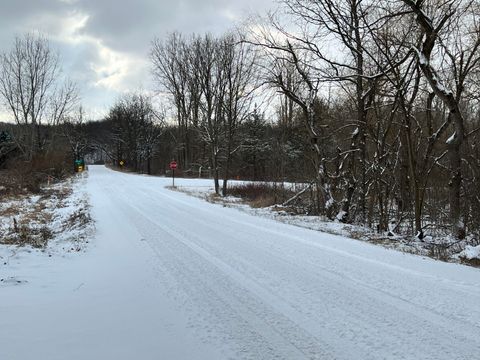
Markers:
(173, 166)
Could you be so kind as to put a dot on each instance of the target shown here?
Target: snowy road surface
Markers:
(169, 276)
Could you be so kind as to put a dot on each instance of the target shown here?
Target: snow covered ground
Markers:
(57, 216)
(204, 189)
(34, 229)
(169, 276)
(436, 246)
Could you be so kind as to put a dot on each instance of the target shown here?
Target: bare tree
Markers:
(74, 131)
(173, 68)
(287, 67)
(210, 81)
(237, 62)
(443, 26)
(136, 130)
(31, 90)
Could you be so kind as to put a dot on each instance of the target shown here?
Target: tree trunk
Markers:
(458, 226)
(215, 171)
(226, 175)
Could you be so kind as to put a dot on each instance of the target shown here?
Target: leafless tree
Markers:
(211, 81)
(287, 67)
(136, 130)
(449, 30)
(237, 62)
(31, 89)
(173, 66)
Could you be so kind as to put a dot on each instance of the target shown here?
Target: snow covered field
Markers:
(169, 276)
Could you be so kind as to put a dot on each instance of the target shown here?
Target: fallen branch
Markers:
(296, 196)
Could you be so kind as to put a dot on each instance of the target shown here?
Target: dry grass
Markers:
(25, 234)
(471, 262)
(9, 211)
(27, 219)
(263, 201)
(79, 218)
(261, 195)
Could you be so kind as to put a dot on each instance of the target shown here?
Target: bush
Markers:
(21, 175)
(261, 194)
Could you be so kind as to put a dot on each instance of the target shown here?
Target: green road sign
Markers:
(79, 165)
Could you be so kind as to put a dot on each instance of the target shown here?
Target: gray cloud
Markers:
(104, 44)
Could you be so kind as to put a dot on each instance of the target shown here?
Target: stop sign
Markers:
(173, 165)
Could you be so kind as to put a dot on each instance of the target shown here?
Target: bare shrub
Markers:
(22, 234)
(261, 194)
(28, 176)
(79, 218)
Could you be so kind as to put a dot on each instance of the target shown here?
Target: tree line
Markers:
(386, 94)
(375, 104)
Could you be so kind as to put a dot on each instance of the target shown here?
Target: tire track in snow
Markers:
(224, 274)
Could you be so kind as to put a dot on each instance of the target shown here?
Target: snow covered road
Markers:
(173, 277)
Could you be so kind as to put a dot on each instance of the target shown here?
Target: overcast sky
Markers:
(104, 44)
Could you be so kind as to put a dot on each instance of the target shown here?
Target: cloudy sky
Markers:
(104, 44)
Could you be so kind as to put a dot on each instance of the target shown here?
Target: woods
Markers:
(383, 100)
(375, 104)
(211, 82)
(398, 75)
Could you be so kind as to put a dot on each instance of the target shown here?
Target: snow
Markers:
(341, 214)
(329, 203)
(60, 212)
(435, 81)
(170, 276)
(422, 58)
(438, 84)
(451, 139)
(470, 252)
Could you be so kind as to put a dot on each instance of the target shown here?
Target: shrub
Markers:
(23, 175)
(261, 194)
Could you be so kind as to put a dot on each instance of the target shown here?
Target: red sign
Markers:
(173, 165)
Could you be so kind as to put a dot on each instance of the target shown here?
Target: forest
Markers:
(372, 106)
